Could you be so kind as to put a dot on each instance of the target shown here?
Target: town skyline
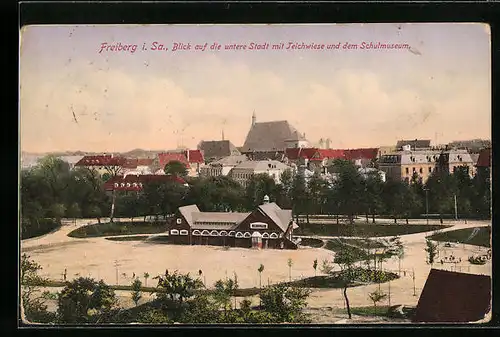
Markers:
(73, 98)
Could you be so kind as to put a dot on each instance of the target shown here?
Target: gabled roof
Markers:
(260, 165)
(218, 148)
(281, 217)
(187, 213)
(331, 153)
(129, 180)
(416, 143)
(451, 297)
(223, 217)
(484, 159)
(230, 160)
(165, 158)
(194, 156)
(270, 136)
(367, 153)
(101, 160)
(296, 153)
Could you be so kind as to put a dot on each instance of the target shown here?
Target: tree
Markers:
(259, 185)
(373, 194)
(95, 212)
(176, 168)
(285, 303)
(174, 290)
(290, 263)
(317, 189)
(349, 187)
(33, 306)
(346, 259)
(285, 189)
(441, 189)
(136, 291)
(146, 276)
(57, 211)
(74, 211)
(299, 195)
(260, 270)
(315, 265)
(431, 250)
(376, 296)
(86, 301)
(222, 294)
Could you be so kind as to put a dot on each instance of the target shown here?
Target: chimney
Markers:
(328, 143)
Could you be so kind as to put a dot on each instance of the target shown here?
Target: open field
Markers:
(116, 261)
(481, 238)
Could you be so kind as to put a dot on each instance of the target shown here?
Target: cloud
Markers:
(120, 110)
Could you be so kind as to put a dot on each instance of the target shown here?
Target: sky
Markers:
(76, 96)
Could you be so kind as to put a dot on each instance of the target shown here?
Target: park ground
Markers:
(116, 262)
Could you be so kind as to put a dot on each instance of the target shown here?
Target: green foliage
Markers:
(259, 186)
(86, 301)
(176, 168)
(34, 306)
(377, 296)
(431, 251)
(175, 290)
(154, 316)
(284, 303)
(482, 238)
(136, 291)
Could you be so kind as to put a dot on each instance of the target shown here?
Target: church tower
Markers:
(254, 118)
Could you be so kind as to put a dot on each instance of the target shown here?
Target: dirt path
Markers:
(117, 261)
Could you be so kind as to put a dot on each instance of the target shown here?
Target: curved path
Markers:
(97, 256)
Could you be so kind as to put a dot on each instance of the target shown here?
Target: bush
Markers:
(34, 228)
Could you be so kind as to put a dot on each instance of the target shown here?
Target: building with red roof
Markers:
(192, 159)
(484, 159)
(133, 182)
(101, 161)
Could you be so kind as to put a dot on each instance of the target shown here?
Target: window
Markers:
(196, 232)
(407, 170)
(239, 235)
(265, 236)
(174, 232)
(184, 232)
(414, 170)
(247, 235)
(223, 233)
(231, 233)
(430, 169)
(214, 233)
(273, 236)
(179, 221)
(258, 225)
(116, 185)
(421, 170)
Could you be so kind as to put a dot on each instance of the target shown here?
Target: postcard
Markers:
(263, 174)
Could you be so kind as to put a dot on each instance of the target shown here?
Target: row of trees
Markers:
(52, 190)
(179, 298)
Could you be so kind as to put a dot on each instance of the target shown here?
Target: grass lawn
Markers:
(129, 238)
(309, 242)
(379, 310)
(334, 281)
(365, 230)
(118, 228)
(482, 238)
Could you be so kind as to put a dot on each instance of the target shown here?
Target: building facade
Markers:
(223, 166)
(267, 227)
(403, 165)
(244, 171)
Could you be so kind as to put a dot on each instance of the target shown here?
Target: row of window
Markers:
(421, 170)
(243, 175)
(128, 185)
(222, 233)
